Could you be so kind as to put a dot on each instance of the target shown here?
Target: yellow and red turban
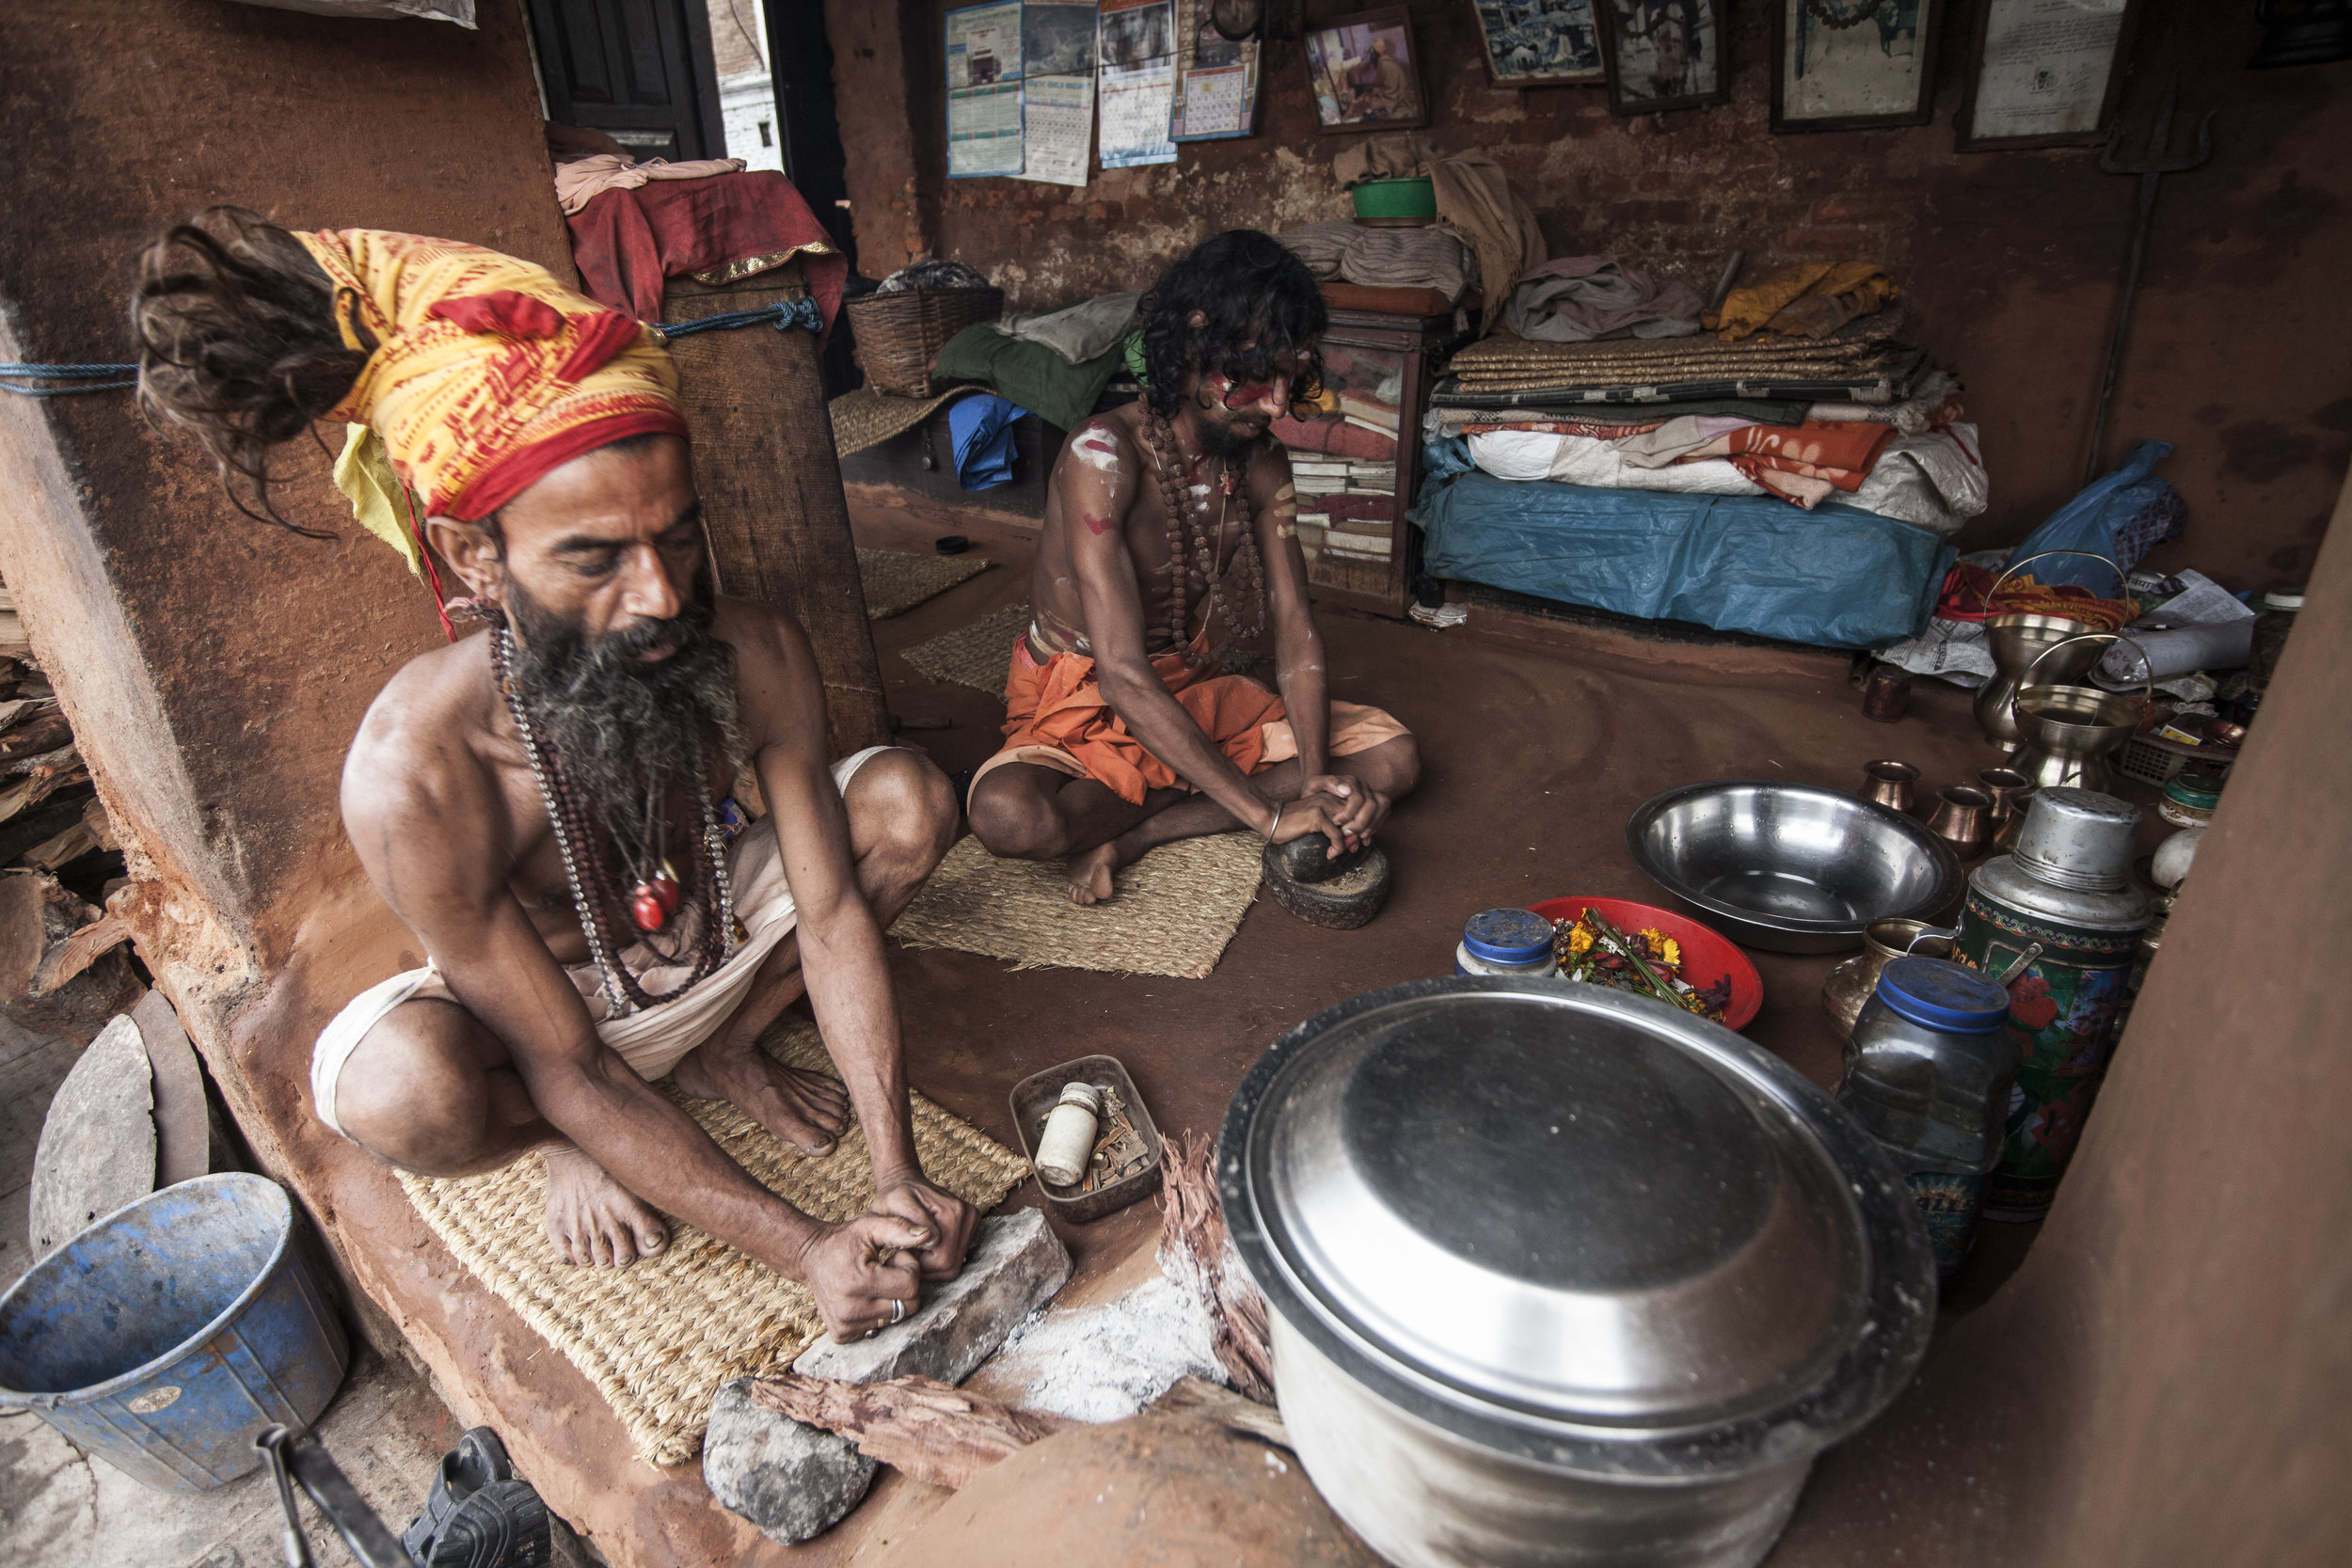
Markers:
(485, 373)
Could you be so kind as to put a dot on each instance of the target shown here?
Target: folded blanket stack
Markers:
(1801, 386)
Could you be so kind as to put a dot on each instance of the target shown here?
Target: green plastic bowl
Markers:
(1397, 202)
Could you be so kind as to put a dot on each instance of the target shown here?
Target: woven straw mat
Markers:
(1173, 911)
(657, 1337)
(866, 418)
(978, 655)
(896, 581)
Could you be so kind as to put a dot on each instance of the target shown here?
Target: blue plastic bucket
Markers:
(166, 1335)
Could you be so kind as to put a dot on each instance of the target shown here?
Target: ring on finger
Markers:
(898, 1313)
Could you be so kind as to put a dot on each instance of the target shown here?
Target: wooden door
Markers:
(639, 71)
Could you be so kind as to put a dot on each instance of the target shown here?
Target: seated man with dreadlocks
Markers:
(1171, 533)
(551, 807)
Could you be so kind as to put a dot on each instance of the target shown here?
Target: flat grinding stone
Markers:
(796, 1482)
(97, 1150)
(1015, 1265)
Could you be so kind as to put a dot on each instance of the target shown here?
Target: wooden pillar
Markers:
(771, 488)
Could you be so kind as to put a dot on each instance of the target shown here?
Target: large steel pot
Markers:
(1563, 1275)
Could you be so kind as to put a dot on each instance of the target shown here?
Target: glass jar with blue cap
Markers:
(1928, 1073)
(1516, 942)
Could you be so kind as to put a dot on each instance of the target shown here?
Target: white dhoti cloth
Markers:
(652, 1039)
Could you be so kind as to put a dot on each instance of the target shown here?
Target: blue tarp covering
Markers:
(982, 428)
(1836, 577)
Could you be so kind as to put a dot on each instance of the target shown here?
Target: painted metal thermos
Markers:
(2064, 888)
(1928, 1075)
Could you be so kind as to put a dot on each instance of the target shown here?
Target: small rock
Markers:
(792, 1480)
(795, 1482)
(1015, 1265)
(1308, 858)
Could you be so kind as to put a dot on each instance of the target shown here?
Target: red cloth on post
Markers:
(630, 243)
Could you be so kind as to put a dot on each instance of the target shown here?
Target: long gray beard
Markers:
(626, 735)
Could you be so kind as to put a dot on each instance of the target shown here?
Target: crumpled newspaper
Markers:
(1440, 615)
(1949, 650)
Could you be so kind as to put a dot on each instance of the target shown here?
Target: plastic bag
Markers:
(2121, 516)
(459, 11)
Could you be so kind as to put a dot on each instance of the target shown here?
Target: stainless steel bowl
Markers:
(1788, 867)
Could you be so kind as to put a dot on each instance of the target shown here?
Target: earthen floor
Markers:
(1538, 740)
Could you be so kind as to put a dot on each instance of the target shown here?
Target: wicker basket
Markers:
(899, 335)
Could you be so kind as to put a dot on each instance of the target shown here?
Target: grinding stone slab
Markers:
(98, 1146)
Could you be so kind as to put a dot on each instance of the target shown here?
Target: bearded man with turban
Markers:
(551, 808)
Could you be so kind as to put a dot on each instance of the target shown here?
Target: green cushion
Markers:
(1028, 373)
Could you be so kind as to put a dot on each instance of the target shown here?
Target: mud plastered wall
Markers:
(2013, 261)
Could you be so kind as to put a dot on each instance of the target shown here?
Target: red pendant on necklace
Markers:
(652, 902)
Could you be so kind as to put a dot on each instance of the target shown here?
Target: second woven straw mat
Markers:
(657, 1337)
(1173, 913)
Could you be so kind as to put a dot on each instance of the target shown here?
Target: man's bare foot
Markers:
(1090, 873)
(593, 1219)
(806, 1110)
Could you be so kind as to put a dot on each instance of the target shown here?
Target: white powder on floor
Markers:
(1108, 1362)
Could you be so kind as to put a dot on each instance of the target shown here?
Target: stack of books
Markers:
(1346, 506)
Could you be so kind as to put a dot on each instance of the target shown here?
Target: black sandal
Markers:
(477, 1514)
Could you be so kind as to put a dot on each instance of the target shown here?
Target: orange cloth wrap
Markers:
(487, 372)
(1055, 716)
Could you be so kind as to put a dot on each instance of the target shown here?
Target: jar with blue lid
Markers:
(1929, 1073)
(1516, 942)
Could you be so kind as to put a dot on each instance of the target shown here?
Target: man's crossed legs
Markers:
(431, 1090)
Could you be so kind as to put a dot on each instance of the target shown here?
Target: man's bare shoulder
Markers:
(420, 737)
(1107, 444)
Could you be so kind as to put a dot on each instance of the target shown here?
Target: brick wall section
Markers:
(2014, 260)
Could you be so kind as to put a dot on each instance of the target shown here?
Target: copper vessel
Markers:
(1963, 818)
(1889, 783)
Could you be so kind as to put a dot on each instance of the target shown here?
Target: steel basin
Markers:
(1788, 868)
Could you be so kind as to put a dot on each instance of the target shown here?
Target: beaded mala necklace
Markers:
(585, 870)
(1189, 543)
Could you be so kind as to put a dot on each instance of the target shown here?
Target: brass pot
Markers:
(1850, 983)
(1963, 818)
(1889, 783)
(2018, 642)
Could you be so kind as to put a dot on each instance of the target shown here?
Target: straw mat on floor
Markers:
(895, 582)
(1173, 913)
(658, 1336)
(978, 655)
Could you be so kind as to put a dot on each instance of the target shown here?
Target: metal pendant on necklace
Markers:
(653, 901)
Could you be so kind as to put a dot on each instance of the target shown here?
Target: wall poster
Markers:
(2044, 73)
(1540, 44)
(1365, 72)
(984, 124)
(1663, 54)
(1137, 83)
(1854, 65)
(1216, 79)
(1057, 48)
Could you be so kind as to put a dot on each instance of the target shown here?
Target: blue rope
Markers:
(782, 314)
(64, 373)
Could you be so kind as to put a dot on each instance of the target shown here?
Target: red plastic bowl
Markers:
(1708, 956)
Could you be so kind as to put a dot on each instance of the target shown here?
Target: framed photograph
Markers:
(1365, 73)
(1540, 44)
(2044, 73)
(1663, 55)
(1854, 65)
